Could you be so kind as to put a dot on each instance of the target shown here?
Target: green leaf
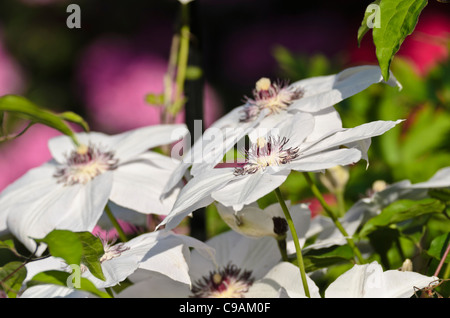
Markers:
(398, 18)
(92, 252)
(320, 258)
(438, 247)
(76, 248)
(74, 118)
(371, 12)
(442, 194)
(402, 210)
(62, 279)
(11, 277)
(430, 125)
(7, 244)
(25, 109)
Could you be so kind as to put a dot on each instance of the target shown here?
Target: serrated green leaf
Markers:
(402, 210)
(76, 248)
(61, 279)
(369, 13)
(25, 109)
(438, 247)
(315, 259)
(92, 251)
(11, 277)
(398, 20)
(64, 244)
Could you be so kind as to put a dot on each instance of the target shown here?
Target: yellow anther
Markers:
(82, 149)
(261, 142)
(217, 278)
(263, 84)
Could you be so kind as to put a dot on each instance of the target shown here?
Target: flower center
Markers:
(265, 153)
(275, 97)
(84, 164)
(112, 251)
(229, 282)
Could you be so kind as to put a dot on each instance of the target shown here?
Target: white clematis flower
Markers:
(161, 252)
(243, 267)
(270, 104)
(71, 191)
(370, 281)
(269, 160)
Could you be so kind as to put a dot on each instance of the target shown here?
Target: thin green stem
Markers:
(333, 217)
(341, 202)
(446, 272)
(298, 249)
(442, 261)
(166, 116)
(116, 224)
(183, 55)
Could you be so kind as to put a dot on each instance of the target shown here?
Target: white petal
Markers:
(176, 177)
(325, 91)
(170, 255)
(210, 148)
(132, 143)
(75, 208)
(42, 265)
(284, 276)
(257, 255)
(37, 181)
(196, 194)
(249, 188)
(54, 291)
(156, 285)
(350, 135)
(403, 284)
(215, 143)
(325, 160)
(326, 122)
(138, 185)
(369, 281)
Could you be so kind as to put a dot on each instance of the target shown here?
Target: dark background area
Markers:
(236, 37)
(102, 70)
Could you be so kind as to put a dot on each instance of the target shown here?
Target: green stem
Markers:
(183, 55)
(166, 116)
(116, 224)
(446, 272)
(341, 202)
(333, 217)
(442, 261)
(298, 249)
